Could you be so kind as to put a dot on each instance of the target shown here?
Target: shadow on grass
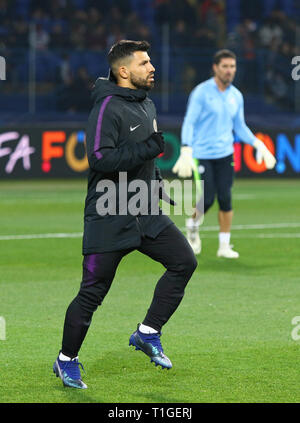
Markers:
(231, 266)
(155, 398)
(130, 377)
(117, 378)
(75, 396)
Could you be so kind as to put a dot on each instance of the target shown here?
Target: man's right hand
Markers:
(153, 146)
(185, 164)
(159, 139)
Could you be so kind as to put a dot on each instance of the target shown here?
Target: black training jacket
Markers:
(119, 123)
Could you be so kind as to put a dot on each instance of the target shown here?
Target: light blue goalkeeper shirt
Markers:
(211, 118)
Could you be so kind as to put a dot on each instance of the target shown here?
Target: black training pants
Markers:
(170, 248)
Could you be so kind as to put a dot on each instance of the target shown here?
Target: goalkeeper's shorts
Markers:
(217, 176)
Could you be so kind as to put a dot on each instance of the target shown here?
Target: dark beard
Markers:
(141, 84)
(226, 82)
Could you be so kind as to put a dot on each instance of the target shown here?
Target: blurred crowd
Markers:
(267, 50)
(70, 39)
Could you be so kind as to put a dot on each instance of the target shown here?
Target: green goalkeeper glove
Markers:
(185, 164)
(264, 154)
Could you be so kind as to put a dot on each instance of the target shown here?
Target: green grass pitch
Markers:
(230, 340)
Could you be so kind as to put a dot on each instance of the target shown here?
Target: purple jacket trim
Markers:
(98, 129)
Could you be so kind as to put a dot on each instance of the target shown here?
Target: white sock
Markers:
(63, 357)
(224, 238)
(146, 329)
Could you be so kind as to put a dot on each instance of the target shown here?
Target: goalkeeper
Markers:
(215, 110)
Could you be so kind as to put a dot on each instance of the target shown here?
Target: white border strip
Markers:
(41, 236)
(260, 236)
(202, 229)
(252, 227)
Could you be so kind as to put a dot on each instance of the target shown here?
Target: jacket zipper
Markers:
(137, 219)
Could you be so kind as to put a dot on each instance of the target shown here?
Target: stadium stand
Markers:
(54, 49)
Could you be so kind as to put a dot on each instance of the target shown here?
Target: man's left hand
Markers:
(264, 154)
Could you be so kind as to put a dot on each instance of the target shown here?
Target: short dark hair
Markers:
(223, 54)
(125, 48)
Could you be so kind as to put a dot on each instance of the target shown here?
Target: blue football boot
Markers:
(69, 373)
(151, 346)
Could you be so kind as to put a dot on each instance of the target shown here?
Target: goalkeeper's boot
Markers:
(192, 234)
(69, 373)
(225, 250)
(150, 345)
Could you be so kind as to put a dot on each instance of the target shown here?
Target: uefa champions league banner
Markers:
(29, 152)
(59, 152)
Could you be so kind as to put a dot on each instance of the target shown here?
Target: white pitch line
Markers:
(79, 235)
(251, 227)
(280, 235)
(260, 236)
(202, 229)
(41, 236)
